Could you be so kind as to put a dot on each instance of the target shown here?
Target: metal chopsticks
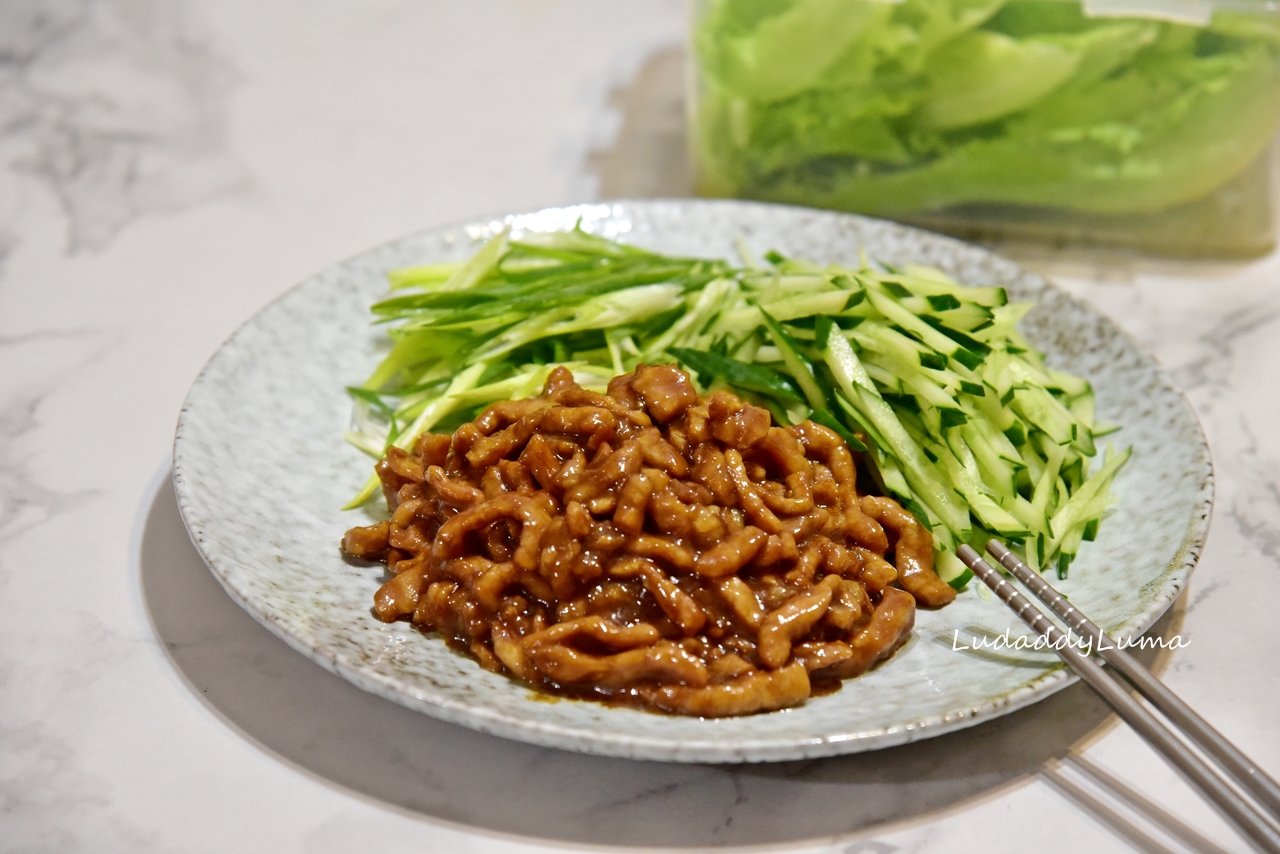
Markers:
(1226, 754)
(1257, 824)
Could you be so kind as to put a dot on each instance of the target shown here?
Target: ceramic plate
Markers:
(261, 469)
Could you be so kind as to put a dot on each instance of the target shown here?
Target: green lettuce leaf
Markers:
(901, 108)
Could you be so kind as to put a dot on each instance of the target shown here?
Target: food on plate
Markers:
(961, 419)
(567, 507)
(650, 546)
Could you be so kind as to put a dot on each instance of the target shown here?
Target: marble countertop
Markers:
(168, 167)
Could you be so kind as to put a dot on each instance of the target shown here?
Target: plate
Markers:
(260, 470)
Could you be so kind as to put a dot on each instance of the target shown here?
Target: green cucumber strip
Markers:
(916, 509)
(995, 517)
(758, 378)
(883, 339)
(924, 332)
(1082, 408)
(962, 469)
(822, 328)
(1016, 434)
(1071, 543)
(926, 282)
(997, 472)
(1025, 512)
(972, 344)
(888, 383)
(1004, 319)
(1072, 472)
(996, 437)
(797, 365)
(911, 375)
(968, 318)
(845, 366)
(895, 289)
(1047, 483)
(933, 361)
(701, 309)
(902, 401)
(951, 569)
(1072, 386)
(1090, 501)
(1040, 410)
(886, 475)
(805, 305)
(918, 471)
(865, 425)
(892, 481)
(996, 374)
(826, 419)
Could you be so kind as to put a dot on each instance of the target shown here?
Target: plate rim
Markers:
(634, 746)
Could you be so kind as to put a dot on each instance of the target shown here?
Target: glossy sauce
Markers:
(649, 547)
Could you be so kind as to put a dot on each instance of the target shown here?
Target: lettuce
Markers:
(896, 108)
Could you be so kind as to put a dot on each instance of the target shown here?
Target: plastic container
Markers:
(1144, 123)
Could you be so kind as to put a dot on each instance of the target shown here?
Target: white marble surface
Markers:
(168, 167)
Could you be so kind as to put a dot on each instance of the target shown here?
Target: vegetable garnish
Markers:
(960, 417)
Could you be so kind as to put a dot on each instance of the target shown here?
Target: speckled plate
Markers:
(261, 469)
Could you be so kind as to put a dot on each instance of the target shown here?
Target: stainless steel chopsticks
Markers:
(1226, 754)
(1253, 822)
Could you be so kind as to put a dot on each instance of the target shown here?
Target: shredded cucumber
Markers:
(960, 418)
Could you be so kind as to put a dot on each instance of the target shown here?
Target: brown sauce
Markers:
(649, 547)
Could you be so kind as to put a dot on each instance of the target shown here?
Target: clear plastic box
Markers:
(1143, 123)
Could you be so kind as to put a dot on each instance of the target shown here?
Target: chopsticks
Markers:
(1256, 821)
